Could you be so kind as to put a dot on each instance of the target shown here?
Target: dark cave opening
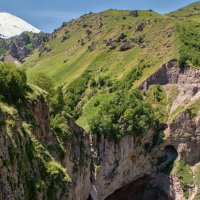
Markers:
(150, 187)
(145, 188)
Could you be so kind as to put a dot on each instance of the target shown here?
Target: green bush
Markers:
(73, 95)
(13, 82)
(43, 81)
(132, 76)
(96, 103)
(158, 93)
(57, 101)
(189, 44)
(126, 114)
(58, 123)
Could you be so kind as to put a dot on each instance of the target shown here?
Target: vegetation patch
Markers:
(126, 113)
(157, 97)
(197, 181)
(189, 44)
(12, 82)
(185, 175)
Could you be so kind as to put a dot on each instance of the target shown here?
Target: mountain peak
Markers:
(11, 25)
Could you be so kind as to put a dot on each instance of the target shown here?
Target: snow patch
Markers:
(11, 25)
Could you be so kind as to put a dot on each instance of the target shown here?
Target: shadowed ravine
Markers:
(145, 188)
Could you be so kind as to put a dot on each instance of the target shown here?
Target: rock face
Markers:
(19, 47)
(77, 161)
(172, 73)
(184, 135)
(26, 168)
(185, 79)
(116, 165)
(30, 158)
(34, 165)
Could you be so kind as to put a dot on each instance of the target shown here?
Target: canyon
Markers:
(94, 167)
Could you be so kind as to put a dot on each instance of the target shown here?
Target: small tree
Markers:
(13, 82)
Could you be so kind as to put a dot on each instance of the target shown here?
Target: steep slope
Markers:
(94, 42)
(188, 11)
(94, 58)
(34, 163)
(16, 49)
(139, 143)
(11, 25)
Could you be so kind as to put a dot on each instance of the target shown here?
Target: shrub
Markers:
(67, 99)
(189, 44)
(13, 82)
(126, 113)
(43, 81)
(93, 83)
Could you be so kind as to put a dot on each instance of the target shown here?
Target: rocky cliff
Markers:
(34, 164)
(116, 165)
(17, 48)
(28, 170)
(161, 164)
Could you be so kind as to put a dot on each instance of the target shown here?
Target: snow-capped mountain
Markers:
(11, 25)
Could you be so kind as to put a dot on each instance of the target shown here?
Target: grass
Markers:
(89, 109)
(185, 175)
(192, 9)
(69, 59)
(197, 181)
(193, 107)
(55, 168)
(188, 34)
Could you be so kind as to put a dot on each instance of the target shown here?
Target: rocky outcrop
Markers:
(21, 46)
(116, 165)
(172, 73)
(31, 163)
(40, 111)
(185, 79)
(77, 161)
(184, 135)
(134, 13)
(28, 170)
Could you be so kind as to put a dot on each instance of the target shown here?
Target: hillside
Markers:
(114, 113)
(94, 42)
(97, 58)
(188, 11)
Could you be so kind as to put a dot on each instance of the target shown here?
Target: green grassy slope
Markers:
(192, 9)
(67, 60)
(115, 50)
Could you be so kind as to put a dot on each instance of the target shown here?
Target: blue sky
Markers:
(49, 14)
